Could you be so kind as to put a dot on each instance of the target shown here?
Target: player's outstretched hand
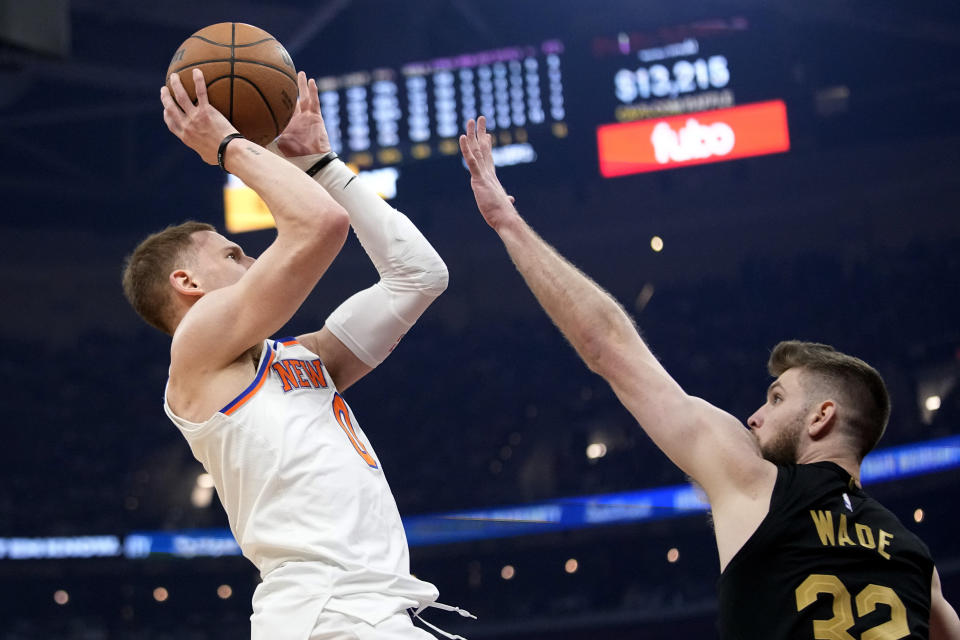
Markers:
(200, 126)
(477, 148)
(305, 134)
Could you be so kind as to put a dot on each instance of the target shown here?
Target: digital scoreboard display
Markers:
(693, 94)
(683, 69)
(390, 116)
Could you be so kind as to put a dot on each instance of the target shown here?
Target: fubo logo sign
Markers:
(708, 136)
(693, 140)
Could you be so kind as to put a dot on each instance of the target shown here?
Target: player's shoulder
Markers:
(197, 390)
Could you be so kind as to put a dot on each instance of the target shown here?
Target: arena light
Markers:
(596, 450)
(656, 243)
(61, 597)
(202, 494)
(673, 555)
(201, 497)
(932, 403)
(507, 572)
(571, 565)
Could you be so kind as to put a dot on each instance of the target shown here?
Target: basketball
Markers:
(250, 77)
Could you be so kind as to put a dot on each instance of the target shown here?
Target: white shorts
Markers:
(338, 626)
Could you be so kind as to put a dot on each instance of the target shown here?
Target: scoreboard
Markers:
(389, 116)
(683, 69)
(695, 94)
(682, 95)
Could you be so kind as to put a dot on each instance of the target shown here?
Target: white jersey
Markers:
(306, 497)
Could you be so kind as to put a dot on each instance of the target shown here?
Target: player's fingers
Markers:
(179, 93)
(168, 119)
(169, 104)
(465, 150)
(481, 126)
(486, 144)
(314, 94)
(302, 89)
(469, 155)
(470, 140)
(201, 87)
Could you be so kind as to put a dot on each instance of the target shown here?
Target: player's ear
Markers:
(184, 282)
(823, 419)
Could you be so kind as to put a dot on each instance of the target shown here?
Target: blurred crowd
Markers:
(484, 413)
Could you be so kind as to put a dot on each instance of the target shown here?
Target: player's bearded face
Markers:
(784, 446)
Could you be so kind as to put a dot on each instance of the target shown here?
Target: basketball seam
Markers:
(231, 60)
(220, 44)
(233, 39)
(266, 103)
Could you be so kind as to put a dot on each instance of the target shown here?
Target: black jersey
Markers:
(828, 561)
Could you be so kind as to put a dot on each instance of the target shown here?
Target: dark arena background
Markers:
(530, 495)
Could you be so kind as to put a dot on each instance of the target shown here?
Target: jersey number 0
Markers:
(342, 412)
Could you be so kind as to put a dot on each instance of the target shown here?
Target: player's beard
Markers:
(785, 446)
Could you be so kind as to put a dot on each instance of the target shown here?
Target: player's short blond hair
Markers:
(854, 384)
(147, 269)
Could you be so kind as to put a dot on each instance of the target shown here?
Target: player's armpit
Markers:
(944, 622)
(707, 443)
(344, 367)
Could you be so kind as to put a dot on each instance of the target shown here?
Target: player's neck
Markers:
(846, 462)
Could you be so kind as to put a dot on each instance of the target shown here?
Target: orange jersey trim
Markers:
(262, 375)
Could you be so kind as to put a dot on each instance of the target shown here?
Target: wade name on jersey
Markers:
(839, 535)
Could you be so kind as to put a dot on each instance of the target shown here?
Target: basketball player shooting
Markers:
(302, 487)
(804, 552)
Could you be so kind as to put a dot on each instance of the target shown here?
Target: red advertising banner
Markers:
(694, 138)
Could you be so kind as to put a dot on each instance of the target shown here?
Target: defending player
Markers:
(804, 552)
(302, 487)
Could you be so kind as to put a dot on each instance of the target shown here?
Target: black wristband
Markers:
(324, 160)
(223, 147)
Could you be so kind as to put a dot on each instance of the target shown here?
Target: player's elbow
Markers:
(602, 346)
(417, 269)
(435, 277)
(317, 226)
(332, 224)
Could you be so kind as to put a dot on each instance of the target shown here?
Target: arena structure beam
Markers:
(313, 25)
(474, 18)
(275, 17)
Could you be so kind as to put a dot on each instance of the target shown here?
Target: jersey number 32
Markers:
(836, 628)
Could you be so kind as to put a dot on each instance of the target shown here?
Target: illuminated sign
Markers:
(577, 512)
(679, 69)
(698, 138)
(56, 548)
(244, 210)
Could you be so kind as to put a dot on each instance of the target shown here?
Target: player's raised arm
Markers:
(699, 438)
(944, 622)
(236, 310)
(363, 330)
